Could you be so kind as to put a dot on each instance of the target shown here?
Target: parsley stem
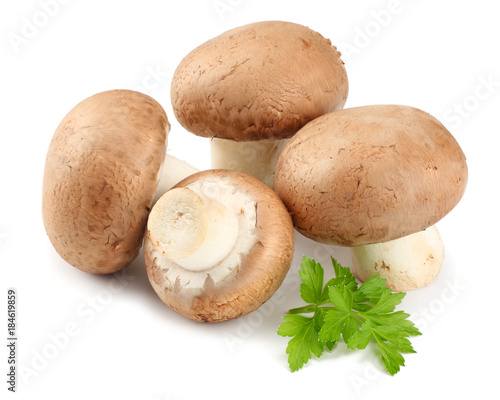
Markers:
(302, 310)
(359, 315)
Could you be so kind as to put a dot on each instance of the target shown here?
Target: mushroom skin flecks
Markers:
(370, 174)
(242, 87)
(408, 263)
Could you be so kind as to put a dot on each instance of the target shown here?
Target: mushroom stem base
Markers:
(256, 158)
(192, 229)
(408, 263)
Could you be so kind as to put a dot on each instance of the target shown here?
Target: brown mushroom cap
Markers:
(260, 81)
(260, 272)
(370, 174)
(100, 178)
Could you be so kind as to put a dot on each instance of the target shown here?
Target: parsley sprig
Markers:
(342, 309)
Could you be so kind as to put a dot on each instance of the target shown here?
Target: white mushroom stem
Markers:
(172, 172)
(408, 263)
(256, 158)
(191, 229)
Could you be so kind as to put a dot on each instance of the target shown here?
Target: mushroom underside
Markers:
(245, 251)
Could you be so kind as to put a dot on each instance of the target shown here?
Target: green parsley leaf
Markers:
(341, 309)
(343, 278)
(312, 281)
(387, 302)
(391, 340)
(397, 318)
(370, 290)
(319, 318)
(304, 342)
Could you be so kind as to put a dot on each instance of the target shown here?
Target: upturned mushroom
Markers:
(101, 174)
(375, 178)
(218, 245)
(251, 88)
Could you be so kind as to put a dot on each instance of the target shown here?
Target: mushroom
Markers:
(251, 88)
(100, 178)
(218, 245)
(370, 177)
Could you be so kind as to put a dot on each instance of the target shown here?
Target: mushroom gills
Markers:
(201, 231)
(256, 158)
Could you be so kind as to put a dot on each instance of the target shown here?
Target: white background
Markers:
(440, 56)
